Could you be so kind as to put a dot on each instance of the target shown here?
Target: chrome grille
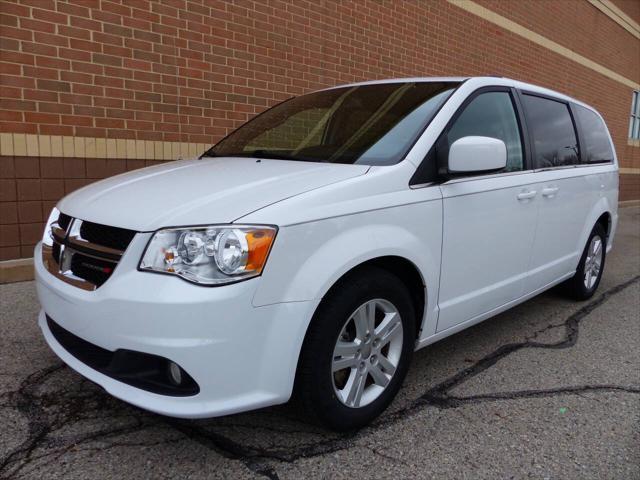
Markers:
(84, 254)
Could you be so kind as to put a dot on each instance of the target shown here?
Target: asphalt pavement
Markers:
(549, 389)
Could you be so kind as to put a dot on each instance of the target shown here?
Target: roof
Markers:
(477, 82)
(402, 80)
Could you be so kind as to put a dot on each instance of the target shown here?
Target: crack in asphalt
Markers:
(439, 395)
(49, 412)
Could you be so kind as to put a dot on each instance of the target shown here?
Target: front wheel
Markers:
(357, 350)
(584, 283)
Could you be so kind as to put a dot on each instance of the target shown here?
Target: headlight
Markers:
(211, 255)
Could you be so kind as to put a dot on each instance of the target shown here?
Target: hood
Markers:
(196, 192)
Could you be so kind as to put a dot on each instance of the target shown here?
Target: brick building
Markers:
(91, 88)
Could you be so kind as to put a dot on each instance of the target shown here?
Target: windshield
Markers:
(366, 124)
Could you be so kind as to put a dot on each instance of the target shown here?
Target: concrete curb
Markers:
(19, 270)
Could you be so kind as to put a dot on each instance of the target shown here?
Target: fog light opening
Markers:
(175, 373)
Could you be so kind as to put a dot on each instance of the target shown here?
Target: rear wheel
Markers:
(357, 350)
(585, 282)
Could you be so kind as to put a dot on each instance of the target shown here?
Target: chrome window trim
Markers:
(582, 165)
(487, 176)
(523, 172)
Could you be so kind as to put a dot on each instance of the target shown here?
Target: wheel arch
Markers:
(605, 221)
(406, 271)
(601, 213)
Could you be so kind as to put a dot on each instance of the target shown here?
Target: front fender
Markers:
(309, 258)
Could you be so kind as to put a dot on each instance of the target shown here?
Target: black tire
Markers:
(314, 387)
(575, 287)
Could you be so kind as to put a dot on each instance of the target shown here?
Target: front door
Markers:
(489, 222)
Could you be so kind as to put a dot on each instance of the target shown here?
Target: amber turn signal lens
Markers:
(259, 243)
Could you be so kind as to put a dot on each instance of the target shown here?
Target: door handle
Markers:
(527, 195)
(549, 191)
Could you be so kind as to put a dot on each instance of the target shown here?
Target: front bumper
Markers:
(242, 357)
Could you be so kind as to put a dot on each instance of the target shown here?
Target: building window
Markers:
(634, 121)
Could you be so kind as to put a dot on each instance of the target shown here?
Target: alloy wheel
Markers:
(593, 262)
(367, 353)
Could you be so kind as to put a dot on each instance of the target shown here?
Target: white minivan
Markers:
(312, 250)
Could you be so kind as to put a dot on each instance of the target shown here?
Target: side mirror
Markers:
(476, 154)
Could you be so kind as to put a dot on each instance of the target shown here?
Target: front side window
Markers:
(554, 139)
(634, 121)
(597, 147)
(492, 115)
(364, 124)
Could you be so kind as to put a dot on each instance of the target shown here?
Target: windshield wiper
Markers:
(267, 154)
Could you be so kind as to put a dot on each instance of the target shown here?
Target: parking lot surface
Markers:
(549, 389)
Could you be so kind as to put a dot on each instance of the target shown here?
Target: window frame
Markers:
(576, 130)
(634, 118)
(425, 175)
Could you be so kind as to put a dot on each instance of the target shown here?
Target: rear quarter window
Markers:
(597, 147)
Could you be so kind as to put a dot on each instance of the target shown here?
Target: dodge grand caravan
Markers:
(311, 251)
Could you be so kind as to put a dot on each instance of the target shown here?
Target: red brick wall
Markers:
(579, 26)
(189, 71)
(629, 7)
(30, 187)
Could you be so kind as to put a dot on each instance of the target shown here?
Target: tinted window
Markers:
(367, 124)
(492, 115)
(597, 147)
(552, 132)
